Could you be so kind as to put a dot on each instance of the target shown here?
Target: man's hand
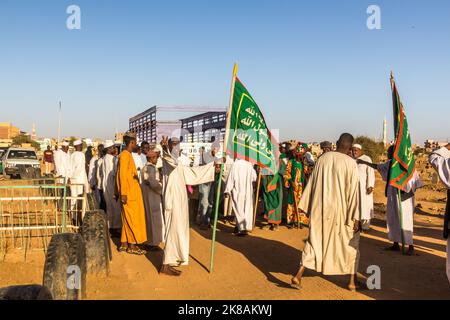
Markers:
(124, 199)
(369, 190)
(164, 141)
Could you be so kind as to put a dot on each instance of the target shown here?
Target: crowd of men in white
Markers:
(101, 181)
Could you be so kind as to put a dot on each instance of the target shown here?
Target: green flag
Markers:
(248, 137)
(403, 165)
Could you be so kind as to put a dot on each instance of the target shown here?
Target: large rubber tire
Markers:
(97, 241)
(91, 203)
(30, 292)
(65, 250)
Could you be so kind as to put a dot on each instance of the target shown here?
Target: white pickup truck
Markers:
(21, 163)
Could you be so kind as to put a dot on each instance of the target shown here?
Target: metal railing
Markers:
(30, 214)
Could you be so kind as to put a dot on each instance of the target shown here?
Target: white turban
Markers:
(357, 146)
(108, 144)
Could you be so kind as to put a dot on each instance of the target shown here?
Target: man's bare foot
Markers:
(296, 283)
(123, 247)
(169, 271)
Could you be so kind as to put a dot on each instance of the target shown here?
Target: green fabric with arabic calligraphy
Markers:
(403, 166)
(249, 137)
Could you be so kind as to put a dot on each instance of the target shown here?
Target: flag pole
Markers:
(59, 123)
(257, 198)
(399, 195)
(219, 185)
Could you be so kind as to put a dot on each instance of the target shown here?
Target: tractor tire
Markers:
(25, 293)
(97, 241)
(91, 203)
(66, 255)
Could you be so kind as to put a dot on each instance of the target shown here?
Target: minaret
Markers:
(33, 132)
(385, 132)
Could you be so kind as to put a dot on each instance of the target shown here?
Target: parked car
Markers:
(21, 163)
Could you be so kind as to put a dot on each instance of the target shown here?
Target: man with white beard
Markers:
(109, 170)
(440, 160)
(366, 184)
(170, 154)
(176, 214)
(240, 188)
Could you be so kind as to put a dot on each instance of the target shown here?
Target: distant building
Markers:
(8, 131)
(149, 125)
(119, 136)
(204, 127)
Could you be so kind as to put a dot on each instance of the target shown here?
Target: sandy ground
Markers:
(260, 266)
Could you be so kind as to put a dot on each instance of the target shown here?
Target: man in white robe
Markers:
(367, 185)
(152, 194)
(92, 174)
(62, 162)
(109, 171)
(394, 223)
(138, 163)
(170, 153)
(176, 214)
(332, 199)
(78, 176)
(240, 188)
(440, 160)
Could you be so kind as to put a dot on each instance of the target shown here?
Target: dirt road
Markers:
(260, 266)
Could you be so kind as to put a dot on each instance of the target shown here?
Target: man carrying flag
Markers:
(402, 180)
(246, 138)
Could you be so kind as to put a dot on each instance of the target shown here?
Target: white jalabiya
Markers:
(62, 164)
(367, 180)
(176, 211)
(227, 203)
(240, 187)
(138, 163)
(332, 198)
(169, 163)
(113, 207)
(393, 212)
(440, 160)
(78, 176)
(152, 194)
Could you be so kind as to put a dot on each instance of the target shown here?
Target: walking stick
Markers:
(257, 199)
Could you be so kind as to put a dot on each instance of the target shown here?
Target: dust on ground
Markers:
(260, 266)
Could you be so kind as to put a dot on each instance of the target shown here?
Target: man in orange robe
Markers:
(134, 230)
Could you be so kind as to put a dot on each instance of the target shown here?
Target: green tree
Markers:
(371, 148)
(25, 139)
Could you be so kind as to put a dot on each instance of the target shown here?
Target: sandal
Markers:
(136, 251)
(122, 248)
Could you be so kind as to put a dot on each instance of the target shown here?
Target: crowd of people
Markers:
(146, 191)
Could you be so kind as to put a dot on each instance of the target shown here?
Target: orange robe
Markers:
(134, 230)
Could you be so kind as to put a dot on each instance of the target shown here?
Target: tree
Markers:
(371, 148)
(25, 139)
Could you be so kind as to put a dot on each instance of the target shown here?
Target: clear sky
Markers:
(314, 67)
